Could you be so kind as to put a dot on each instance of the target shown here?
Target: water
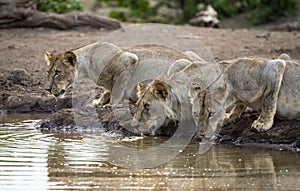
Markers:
(31, 160)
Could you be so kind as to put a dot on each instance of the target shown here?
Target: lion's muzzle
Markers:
(60, 93)
(135, 123)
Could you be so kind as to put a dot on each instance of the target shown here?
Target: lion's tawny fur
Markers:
(166, 98)
(268, 86)
(103, 63)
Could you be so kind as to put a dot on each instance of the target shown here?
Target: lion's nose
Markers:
(62, 92)
(134, 122)
(200, 131)
(48, 89)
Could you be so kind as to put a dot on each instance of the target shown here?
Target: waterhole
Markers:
(33, 160)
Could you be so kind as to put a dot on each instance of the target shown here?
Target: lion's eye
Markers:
(195, 114)
(211, 114)
(147, 107)
(56, 74)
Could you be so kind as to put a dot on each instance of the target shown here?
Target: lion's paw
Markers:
(261, 126)
(228, 119)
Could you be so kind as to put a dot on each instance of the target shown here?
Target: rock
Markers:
(206, 18)
(265, 35)
(20, 76)
(14, 102)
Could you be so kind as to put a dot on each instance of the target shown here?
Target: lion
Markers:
(165, 99)
(268, 86)
(103, 63)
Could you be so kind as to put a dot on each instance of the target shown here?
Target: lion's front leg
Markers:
(103, 100)
(273, 76)
(264, 122)
(234, 114)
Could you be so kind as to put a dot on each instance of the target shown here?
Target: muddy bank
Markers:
(284, 135)
(95, 119)
(21, 93)
(16, 102)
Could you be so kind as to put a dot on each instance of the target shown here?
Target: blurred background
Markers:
(214, 13)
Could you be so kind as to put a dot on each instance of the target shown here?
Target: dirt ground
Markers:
(23, 69)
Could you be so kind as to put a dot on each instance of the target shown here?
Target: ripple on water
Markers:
(23, 159)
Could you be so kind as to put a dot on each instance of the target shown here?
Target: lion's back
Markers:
(288, 105)
(154, 51)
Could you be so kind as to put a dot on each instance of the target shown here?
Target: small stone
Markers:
(20, 76)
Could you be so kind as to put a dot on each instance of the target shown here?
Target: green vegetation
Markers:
(138, 9)
(59, 6)
(269, 10)
(180, 11)
(257, 11)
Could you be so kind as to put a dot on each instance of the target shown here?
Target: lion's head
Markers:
(208, 109)
(61, 72)
(154, 107)
(165, 99)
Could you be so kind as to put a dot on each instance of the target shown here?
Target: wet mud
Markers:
(284, 135)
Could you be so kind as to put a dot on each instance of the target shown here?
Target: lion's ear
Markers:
(48, 57)
(195, 88)
(70, 57)
(160, 89)
(284, 57)
(128, 59)
(178, 66)
(222, 92)
(140, 88)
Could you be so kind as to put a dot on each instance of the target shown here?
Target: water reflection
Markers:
(70, 161)
(23, 157)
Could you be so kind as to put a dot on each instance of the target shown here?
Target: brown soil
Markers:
(23, 70)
